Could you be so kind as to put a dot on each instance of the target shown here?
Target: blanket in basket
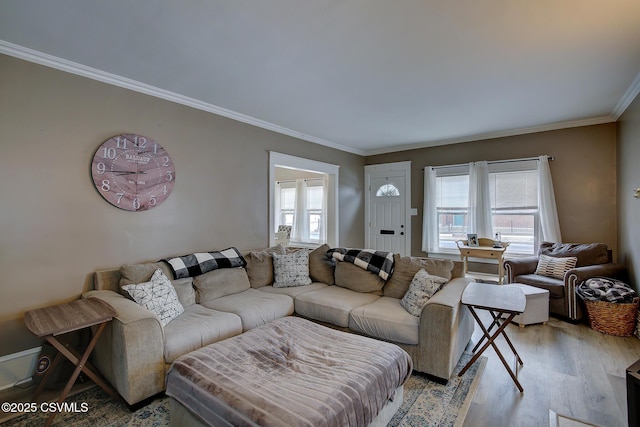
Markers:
(606, 289)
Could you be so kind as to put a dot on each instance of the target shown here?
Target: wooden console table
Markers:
(50, 322)
(484, 250)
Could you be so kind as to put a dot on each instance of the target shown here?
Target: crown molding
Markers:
(61, 64)
(627, 98)
(499, 134)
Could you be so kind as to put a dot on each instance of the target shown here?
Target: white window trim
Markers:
(292, 162)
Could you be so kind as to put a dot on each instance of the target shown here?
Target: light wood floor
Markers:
(570, 369)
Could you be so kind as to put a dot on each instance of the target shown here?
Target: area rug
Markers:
(426, 403)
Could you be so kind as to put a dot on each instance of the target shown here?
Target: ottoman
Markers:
(537, 310)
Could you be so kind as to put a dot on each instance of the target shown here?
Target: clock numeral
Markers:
(164, 189)
(152, 200)
(106, 185)
(101, 167)
(141, 142)
(165, 161)
(120, 141)
(136, 203)
(155, 148)
(109, 153)
(119, 196)
(169, 175)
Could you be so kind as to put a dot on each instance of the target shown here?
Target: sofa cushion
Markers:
(186, 292)
(406, 268)
(321, 267)
(555, 267)
(422, 288)
(386, 319)
(331, 304)
(587, 253)
(139, 273)
(158, 296)
(357, 279)
(197, 327)
(291, 269)
(554, 286)
(219, 283)
(254, 307)
(260, 265)
(293, 291)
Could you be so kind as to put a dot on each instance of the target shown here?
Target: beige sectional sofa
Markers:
(135, 351)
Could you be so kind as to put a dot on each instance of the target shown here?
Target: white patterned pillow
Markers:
(158, 296)
(554, 266)
(422, 287)
(291, 269)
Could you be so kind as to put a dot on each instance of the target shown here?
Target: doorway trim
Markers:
(401, 168)
(292, 162)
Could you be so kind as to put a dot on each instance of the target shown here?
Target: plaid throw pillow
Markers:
(554, 266)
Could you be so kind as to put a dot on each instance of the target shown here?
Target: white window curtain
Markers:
(430, 214)
(325, 209)
(300, 229)
(549, 223)
(480, 221)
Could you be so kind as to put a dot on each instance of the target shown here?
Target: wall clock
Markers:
(133, 172)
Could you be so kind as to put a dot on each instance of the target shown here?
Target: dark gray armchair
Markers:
(594, 259)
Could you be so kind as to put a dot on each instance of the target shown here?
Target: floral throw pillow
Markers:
(422, 288)
(158, 296)
(291, 269)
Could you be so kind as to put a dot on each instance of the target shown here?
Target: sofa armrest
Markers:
(576, 276)
(130, 352)
(518, 266)
(445, 328)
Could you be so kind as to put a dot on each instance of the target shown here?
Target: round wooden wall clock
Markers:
(133, 172)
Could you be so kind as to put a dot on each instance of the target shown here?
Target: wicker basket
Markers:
(613, 318)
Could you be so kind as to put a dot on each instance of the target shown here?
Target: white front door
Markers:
(387, 219)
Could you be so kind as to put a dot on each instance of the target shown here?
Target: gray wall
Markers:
(56, 229)
(584, 176)
(628, 180)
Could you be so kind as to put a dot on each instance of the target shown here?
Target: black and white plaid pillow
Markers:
(199, 263)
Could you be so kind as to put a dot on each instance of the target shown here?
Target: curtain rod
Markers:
(524, 159)
(306, 179)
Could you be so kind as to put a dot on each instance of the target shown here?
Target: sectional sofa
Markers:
(135, 351)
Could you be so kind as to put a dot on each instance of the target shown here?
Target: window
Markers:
(302, 205)
(514, 208)
(514, 205)
(327, 229)
(452, 204)
(287, 203)
(388, 190)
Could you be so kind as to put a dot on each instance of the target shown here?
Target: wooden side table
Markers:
(51, 322)
(484, 250)
(497, 300)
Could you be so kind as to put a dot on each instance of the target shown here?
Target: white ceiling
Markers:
(365, 76)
